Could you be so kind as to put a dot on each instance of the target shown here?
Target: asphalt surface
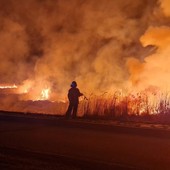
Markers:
(30, 142)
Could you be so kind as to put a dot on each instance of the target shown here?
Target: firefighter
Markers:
(73, 96)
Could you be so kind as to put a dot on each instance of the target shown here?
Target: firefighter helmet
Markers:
(74, 84)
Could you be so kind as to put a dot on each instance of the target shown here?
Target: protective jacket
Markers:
(73, 95)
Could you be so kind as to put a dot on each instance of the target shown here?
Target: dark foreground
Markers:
(30, 142)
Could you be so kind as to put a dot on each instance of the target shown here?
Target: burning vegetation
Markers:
(121, 47)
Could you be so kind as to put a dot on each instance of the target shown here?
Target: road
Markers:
(57, 143)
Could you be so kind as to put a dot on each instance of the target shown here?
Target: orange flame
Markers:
(45, 94)
(8, 86)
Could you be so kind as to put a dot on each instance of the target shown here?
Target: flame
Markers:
(112, 45)
(45, 94)
(29, 90)
(8, 86)
(25, 87)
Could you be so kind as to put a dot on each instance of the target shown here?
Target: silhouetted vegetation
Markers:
(139, 106)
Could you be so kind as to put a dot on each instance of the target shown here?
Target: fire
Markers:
(25, 87)
(111, 46)
(8, 86)
(45, 94)
(29, 90)
(33, 90)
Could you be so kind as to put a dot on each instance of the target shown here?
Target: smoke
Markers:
(165, 5)
(154, 71)
(49, 43)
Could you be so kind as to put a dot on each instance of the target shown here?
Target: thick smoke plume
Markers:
(103, 45)
(154, 71)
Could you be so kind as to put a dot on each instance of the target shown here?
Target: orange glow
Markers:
(8, 86)
(104, 46)
(25, 87)
(45, 94)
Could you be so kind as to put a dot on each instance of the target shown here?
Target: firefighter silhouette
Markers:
(73, 96)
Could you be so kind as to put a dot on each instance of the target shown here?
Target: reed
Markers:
(129, 106)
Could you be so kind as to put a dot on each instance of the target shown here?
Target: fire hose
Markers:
(85, 98)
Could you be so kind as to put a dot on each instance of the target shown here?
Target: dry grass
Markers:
(141, 106)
